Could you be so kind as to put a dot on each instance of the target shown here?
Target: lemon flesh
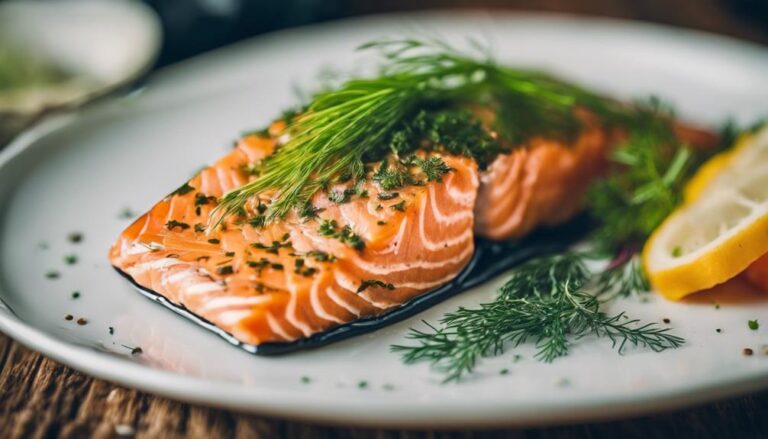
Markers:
(721, 227)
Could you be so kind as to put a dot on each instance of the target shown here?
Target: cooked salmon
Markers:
(296, 277)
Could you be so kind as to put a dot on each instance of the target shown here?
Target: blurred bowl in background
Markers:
(61, 53)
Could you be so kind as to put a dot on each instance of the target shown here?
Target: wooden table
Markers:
(40, 398)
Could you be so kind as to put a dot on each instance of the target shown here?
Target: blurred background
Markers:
(195, 26)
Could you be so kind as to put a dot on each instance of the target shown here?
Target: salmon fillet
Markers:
(293, 277)
(296, 277)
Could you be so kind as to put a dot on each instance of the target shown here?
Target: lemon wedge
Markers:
(721, 227)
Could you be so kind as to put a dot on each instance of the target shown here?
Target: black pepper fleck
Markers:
(82, 322)
(747, 352)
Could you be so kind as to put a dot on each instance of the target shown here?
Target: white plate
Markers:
(78, 172)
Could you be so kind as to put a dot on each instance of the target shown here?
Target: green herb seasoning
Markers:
(76, 295)
(374, 283)
(225, 270)
(53, 274)
(170, 225)
(182, 190)
(75, 237)
(753, 325)
(70, 259)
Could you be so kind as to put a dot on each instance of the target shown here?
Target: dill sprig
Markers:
(342, 129)
(550, 301)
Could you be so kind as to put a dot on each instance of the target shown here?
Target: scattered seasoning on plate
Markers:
(362, 385)
(76, 295)
(111, 330)
(52, 274)
(136, 351)
(391, 387)
(564, 382)
(718, 330)
(517, 358)
(747, 352)
(753, 325)
(504, 372)
(70, 259)
(82, 322)
(68, 317)
(126, 213)
(666, 320)
(717, 306)
(75, 237)
(306, 380)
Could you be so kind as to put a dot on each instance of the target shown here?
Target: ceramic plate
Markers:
(80, 172)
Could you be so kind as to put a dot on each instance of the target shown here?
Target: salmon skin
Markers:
(490, 259)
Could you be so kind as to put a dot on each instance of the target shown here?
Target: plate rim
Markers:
(300, 406)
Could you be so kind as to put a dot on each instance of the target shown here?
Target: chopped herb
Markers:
(201, 199)
(308, 211)
(341, 197)
(111, 330)
(170, 225)
(43, 246)
(258, 221)
(666, 320)
(70, 259)
(227, 269)
(399, 206)
(53, 275)
(75, 237)
(305, 380)
(302, 269)
(717, 306)
(747, 352)
(214, 241)
(433, 167)
(182, 190)
(362, 385)
(82, 322)
(381, 223)
(199, 228)
(383, 196)
(677, 252)
(388, 387)
(321, 256)
(348, 237)
(391, 178)
(374, 283)
(126, 213)
(76, 295)
(327, 228)
(229, 254)
(504, 372)
(517, 358)
(68, 317)
(753, 325)
(718, 330)
(273, 248)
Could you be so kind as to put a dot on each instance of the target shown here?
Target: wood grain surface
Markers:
(41, 398)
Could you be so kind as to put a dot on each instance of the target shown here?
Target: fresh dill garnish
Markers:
(413, 103)
(308, 211)
(549, 301)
